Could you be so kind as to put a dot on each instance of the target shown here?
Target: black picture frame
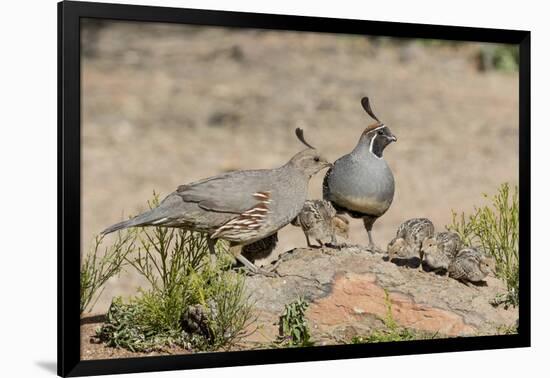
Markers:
(69, 189)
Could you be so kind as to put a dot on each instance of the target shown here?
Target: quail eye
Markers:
(380, 132)
(316, 158)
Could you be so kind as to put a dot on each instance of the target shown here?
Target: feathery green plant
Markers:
(96, 268)
(495, 228)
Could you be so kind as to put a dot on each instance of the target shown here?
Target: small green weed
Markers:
(391, 332)
(293, 326)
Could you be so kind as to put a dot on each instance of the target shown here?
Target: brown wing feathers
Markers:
(251, 219)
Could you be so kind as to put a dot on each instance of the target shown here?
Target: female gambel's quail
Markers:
(470, 265)
(240, 207)
(441, 249)
(319, 222)
(409, 237)
(361, 182)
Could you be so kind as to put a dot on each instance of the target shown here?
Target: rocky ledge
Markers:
(348, 292)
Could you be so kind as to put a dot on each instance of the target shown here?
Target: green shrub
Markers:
(150, 322)
(127, 326)
(177, 265)
(507, 58)
(495, 229)
(230, 310)
(293, 326)
(97, 268)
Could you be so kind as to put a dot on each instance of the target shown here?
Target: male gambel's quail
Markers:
(441, 249)
(361, 182)
(470, 265)
(240, 207)
(319, 222)
(409, 237)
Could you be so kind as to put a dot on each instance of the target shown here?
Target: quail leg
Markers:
(235, 250)
(371, 240)
(421, 255)
(309, 242)
(334, 243)
(212, 248)
(368, 222)
(253, 269)
(372, 246)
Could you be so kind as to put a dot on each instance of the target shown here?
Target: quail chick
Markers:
(361, 183)
(441, 249)
(409, 237)
(261, 248)
(317, 220)
(341, 226)
(470, 265)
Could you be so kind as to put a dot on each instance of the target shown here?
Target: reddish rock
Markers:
(347, 289)
(356, 296)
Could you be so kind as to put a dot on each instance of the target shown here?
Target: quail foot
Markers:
(241, 207)
(361, 183)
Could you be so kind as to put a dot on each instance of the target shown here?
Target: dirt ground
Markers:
(164, 105)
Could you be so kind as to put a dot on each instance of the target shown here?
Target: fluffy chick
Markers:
(261, 248)
(319, 222)
(441, 249)
(470, 265)
(340, 225)
(409, 237)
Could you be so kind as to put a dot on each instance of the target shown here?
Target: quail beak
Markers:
(393, 138)
(325, 162)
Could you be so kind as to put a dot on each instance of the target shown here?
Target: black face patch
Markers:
(379, 139)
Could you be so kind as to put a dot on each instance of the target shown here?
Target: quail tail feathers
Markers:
(148, 218)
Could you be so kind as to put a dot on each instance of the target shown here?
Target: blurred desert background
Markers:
(164, 105)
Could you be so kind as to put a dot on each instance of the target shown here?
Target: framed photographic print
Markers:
(239, 188)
